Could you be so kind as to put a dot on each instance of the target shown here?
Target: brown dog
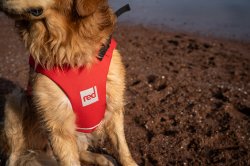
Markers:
(59, 33)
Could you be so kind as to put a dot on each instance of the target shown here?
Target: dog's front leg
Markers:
(64, 146)
(115, 131)
(13, 126)
(58, 118)
(61, 129)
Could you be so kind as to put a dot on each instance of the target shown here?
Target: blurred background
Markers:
(221, 18)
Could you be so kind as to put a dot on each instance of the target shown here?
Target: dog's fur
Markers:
(67, 32)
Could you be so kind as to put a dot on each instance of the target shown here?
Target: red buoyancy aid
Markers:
(85, 88)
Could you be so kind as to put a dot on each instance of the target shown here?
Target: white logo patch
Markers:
(89, 96)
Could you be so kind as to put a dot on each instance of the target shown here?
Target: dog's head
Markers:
(38, 9)
(62, 31)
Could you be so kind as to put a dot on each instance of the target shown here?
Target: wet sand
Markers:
(187, 97)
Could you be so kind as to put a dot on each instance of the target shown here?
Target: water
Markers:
(220, 18)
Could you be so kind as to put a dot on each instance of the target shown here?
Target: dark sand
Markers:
(187, 99)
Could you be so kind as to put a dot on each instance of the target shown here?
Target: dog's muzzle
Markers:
(35, 11)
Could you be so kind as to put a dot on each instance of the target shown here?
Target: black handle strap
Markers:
(122, 10)
(105, 47)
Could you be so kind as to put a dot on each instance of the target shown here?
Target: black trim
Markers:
(122, 10)
(105, 47)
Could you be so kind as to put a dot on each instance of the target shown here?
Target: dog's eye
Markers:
(35, 11)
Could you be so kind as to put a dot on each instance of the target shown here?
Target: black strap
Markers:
(122, 10)
(105, 47)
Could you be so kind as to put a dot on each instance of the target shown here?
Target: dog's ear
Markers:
(87, 7)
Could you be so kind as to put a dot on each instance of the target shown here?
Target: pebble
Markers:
(199, 90)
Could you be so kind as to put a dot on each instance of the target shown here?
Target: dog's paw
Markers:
(134, 164)
(110, 161)
(130, 162)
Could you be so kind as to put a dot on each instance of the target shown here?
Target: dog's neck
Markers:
(60, 41)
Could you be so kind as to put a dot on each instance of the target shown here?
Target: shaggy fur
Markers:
(65, 32)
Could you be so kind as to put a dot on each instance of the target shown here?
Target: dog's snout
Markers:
(35, 11)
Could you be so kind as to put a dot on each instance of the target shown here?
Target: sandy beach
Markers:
(187, 97)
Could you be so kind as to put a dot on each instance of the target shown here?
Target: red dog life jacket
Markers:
(85, 88)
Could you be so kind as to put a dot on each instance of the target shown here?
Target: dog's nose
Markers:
(35, 11)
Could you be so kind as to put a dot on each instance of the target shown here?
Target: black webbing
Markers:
(122, 10)
(105, 48)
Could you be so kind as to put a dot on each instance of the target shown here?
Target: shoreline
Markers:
(225, 18)
(165, 29)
